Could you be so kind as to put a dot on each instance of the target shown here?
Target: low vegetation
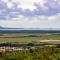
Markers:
(41, 52)
(26, 38)
(45, 53)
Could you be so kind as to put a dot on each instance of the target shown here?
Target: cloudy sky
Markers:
(30, 13)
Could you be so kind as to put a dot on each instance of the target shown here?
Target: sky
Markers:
(30, 13)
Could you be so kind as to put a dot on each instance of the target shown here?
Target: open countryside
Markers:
(29, 46)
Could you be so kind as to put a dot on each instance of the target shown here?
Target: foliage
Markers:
(45, 53)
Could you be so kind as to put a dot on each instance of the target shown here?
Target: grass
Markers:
(45, 53)
(25, 38)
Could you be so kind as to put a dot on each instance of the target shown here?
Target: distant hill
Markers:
(48, 29)
(1, 27)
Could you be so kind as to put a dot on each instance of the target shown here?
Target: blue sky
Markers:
(30, 13)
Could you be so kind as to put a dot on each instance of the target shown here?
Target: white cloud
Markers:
(25, 4)
(25, 24)
(39, 21)
(33, 22)
(10, 5)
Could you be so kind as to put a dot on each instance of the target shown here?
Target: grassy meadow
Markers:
(43, 52)
(26, 38)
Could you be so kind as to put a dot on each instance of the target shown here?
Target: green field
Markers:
(26, 38)
(46, 52)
